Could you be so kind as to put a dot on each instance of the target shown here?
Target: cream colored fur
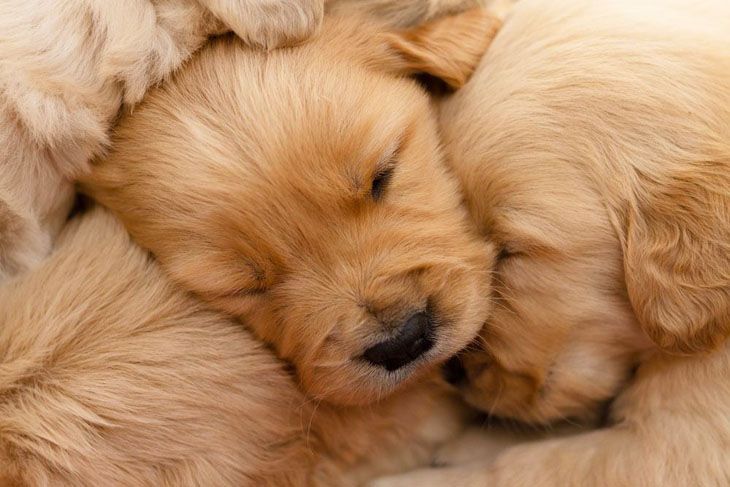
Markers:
(110, 375)
(593, 144)
(66, 68)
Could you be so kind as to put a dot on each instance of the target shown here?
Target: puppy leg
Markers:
(574, 461)
(622, 455)
(466, 460)
(269, 23)
(479, 444)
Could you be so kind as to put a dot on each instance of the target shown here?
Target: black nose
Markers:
(412, 340)
(454, 372)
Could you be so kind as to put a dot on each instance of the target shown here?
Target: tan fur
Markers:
(249, 174)
(401, 13)
(110, 375)
(594, 147)
(66, 68)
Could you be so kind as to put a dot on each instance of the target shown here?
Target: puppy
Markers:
(111, 375)
(593, 145)
(66, 68)
(303, 190)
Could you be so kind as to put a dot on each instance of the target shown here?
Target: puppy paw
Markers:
(269, 23)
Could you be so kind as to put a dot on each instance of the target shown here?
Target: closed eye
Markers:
(380, 182)
(504, 253)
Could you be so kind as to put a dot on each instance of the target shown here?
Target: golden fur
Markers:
(66, 68)
(593, 144)
(111, 375)
(249, 176)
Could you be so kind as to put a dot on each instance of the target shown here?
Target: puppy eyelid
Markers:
(380, 182)
(507, 251)
(384, 171)
(502, 254)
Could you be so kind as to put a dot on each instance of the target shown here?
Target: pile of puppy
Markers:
(313, 240)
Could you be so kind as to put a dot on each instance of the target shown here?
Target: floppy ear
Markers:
(448, 48)
(677, 256)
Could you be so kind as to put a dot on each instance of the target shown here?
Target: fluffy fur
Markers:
(66, 68)
(401, 13)
(593, 145)
(249, 176)
(110, 375)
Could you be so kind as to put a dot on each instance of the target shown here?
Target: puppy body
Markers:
(67, 67)
(593, 144)
(110, 375)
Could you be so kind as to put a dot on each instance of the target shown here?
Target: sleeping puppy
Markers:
(303, 190)
(111, 375)
(66, 68)
(593, 144)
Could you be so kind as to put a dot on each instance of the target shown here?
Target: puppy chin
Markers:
(356, 384)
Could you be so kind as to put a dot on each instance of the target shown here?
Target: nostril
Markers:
(454, 372)
(412, 340)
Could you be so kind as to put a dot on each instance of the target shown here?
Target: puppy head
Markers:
(303, 190)
(562, 337)
(608, 200)
(582, 292)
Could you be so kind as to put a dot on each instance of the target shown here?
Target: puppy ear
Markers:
(448, 48)
(677, 256)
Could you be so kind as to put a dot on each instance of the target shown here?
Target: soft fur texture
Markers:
(401, 13)
(249, 176)
(110, 375)
(66, 68)
(593, 144)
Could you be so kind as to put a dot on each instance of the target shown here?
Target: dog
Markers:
(112, 375)
(593, 146)
(303, 191)
(66, 69)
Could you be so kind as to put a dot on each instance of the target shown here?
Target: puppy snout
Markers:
(413, 339)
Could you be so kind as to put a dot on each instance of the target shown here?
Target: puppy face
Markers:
(604, 183)
(562, 337)
(303, 190)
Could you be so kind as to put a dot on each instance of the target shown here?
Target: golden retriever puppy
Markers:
(66, 68)
(593, 145)
(304, 191)
(111, 375)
